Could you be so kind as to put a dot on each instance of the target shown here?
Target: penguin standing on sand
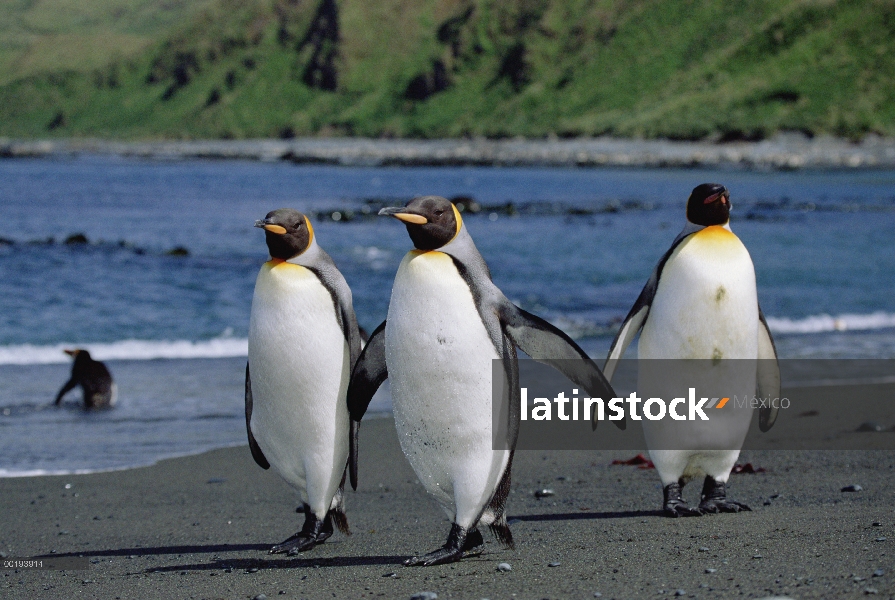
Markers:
(303, 341)
(700, 306)
(93, 377)
(446, 323)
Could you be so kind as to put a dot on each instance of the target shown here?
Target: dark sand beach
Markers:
(200, 527)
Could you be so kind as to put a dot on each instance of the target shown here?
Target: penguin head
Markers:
(288, 232)
(709, 204)
(80, 355)
(432, 221)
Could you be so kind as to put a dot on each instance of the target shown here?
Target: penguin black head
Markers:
(709, 204)
(288, 232)
(432, 221)
(79, 355)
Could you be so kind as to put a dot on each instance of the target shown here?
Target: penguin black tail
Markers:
(337, 508)
(340, 520)
(501, 531)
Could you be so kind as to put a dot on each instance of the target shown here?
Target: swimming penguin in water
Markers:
(303, 341)
(701, 303)
(93, 377)
(446, 323)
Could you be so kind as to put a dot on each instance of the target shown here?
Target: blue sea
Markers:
(572, 245)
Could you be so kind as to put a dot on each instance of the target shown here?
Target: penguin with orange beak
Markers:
(701, 329)
(447, 323)
(303, 342)
(94, 378)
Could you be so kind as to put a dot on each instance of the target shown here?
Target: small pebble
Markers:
(598, 595)
(680, 593)
(392, 574)
(252, 570)
(554, 564)
(880, 539)
(260, 597)
(703, 549)
(870, 590)
(711, 570)
(878, 573)
(504, 567)
(424, 596)
(3, 554)
(852, 488)
(544, 493)
(877, 524)
(756, 556)
(869, 426)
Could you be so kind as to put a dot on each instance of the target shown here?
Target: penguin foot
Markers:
(675, 506)
(314, 531)
(714, 498)
(459, 544)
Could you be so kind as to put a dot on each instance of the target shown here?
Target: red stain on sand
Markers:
(640, 461)
(747, 468)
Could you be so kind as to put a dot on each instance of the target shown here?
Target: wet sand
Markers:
(200, 527)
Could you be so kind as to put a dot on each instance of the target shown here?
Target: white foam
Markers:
(29, 354)
(824, 322)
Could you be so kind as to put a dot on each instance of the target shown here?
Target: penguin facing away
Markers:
(701, 303)
(303, 342)
(446, 323)
(94, 378)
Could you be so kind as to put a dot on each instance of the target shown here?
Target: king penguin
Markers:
(446, 324)
(303, 341)
(93, 377)
(700, 306)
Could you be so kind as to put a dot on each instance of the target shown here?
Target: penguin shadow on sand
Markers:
(219, 563)
(99, 390)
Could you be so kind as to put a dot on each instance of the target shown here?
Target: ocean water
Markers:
(572, 245)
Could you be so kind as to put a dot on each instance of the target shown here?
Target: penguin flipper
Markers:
(69, 386)
(768, 374)
(334, 282)
(253, 445)
(368, 374)
(549, 345)
(636, 318)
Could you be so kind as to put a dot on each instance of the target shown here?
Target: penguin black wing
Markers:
(69, 386)
(253, 445)
(768, 373)
(636, 318)
(368, 374)
(331, 278)
(549, 345)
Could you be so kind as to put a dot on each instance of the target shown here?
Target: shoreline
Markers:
(785, 151)
(201, 526)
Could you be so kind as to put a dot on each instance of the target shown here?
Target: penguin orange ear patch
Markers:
(278, 229)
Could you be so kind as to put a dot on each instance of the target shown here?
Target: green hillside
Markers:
(683, 69)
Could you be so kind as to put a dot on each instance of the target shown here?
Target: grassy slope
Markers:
(432, 68)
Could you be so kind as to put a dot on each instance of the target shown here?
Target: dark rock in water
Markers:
(851, 488)
(76, 239)
(869, 426)
(178, 251)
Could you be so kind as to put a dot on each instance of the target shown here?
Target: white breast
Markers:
(439, 358)
(706, 305)
(299, 362)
